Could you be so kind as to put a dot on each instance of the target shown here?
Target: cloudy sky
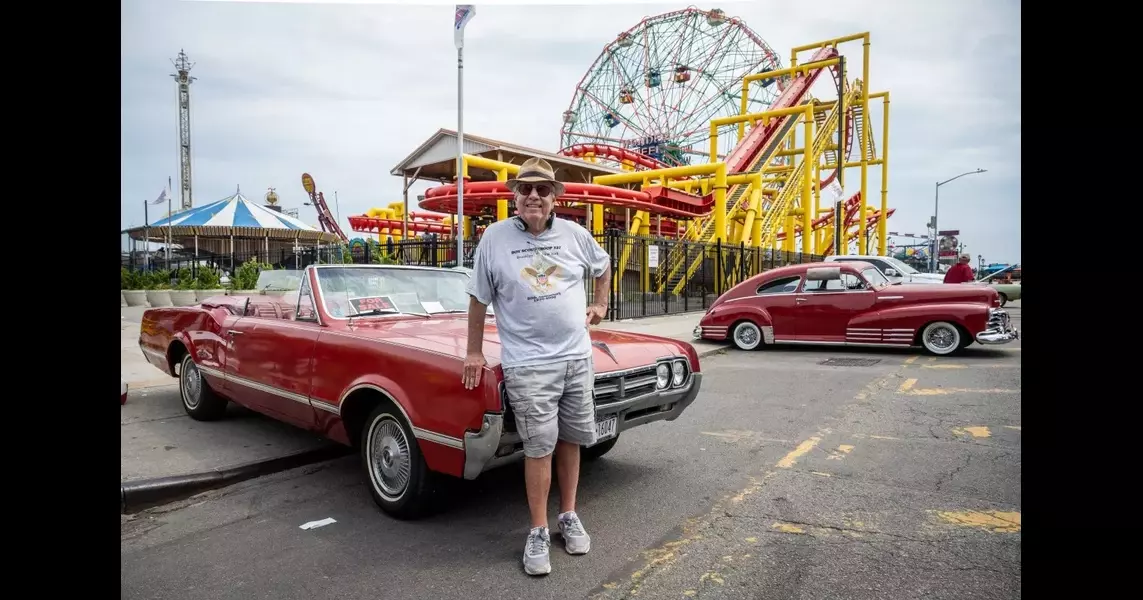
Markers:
(346, 91)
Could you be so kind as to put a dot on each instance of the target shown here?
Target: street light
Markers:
(936, 212)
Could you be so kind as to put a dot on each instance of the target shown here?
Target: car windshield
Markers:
(874, 277)
(901, 266)
(279, 280)
(468, 273)
(355, 291)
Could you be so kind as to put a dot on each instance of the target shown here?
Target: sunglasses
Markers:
(542, 190)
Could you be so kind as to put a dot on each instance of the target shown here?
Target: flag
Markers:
(161, 199)
(464, 14)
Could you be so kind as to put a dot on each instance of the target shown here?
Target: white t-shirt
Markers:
(535, 283)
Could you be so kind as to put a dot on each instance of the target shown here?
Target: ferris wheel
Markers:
(650, 96)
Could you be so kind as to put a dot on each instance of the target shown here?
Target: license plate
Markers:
(605, 428)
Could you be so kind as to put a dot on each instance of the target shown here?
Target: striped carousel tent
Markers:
(234, 225)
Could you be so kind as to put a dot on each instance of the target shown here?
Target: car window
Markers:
(782, 285)
(847, 282)
(306, 310)
(874, 277)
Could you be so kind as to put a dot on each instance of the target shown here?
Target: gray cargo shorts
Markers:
(553, 401)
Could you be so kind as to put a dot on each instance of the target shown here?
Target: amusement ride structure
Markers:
(686, 127)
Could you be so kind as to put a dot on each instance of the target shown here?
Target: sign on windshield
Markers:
(369, 303)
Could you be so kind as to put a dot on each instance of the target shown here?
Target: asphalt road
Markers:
(787, 479)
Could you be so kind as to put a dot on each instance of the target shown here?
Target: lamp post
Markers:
(936, 212)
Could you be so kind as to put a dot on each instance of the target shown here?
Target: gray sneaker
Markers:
(536, 552)
(576, 540)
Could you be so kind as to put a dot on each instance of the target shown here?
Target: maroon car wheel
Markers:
(199, 400)
(746, 335)
(396, 471)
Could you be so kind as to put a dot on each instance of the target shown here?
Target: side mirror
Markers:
(890, 272)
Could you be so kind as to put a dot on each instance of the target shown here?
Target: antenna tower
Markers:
(182, 77)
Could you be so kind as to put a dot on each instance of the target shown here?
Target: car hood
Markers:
(927, 277)
(447, 334)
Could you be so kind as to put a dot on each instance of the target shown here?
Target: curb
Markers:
(712, 352)
(146, 493)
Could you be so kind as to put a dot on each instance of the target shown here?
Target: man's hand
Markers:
(595, 313)
(474, 364)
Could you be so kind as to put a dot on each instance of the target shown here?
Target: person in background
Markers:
(961, 272)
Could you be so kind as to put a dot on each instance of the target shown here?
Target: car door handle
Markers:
(799, 299)
(234, 332)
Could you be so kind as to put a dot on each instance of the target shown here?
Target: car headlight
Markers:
(663, 375)
(678, 373)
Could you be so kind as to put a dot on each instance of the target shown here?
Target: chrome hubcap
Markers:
(389, 453)
(747, 335)
(942, 338)
(192, 384)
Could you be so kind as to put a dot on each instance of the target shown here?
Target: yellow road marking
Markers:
(1016, 427)
(804, 447)
(906, 387)
(978, 431)
(840, 453)
(788, 528)
(820, 473)
(996, 521)
(712, 576)
(946, 391)
(911, 360)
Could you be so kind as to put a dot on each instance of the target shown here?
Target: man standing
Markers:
(960, 272)
(532, 269)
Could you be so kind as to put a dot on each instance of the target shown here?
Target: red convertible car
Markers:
(853, 304)
(371, 356)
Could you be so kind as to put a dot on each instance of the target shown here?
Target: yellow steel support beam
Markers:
(792, 70)
(882, 235)
(807, 184)
(718, 169)
(502, 170)
(764, 117)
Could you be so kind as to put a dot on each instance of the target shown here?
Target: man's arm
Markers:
(476, 314)
(603, 287)
(480, 290)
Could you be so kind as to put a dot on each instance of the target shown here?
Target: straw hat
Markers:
(536, 170)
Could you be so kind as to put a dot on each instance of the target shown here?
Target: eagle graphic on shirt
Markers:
(538, 275)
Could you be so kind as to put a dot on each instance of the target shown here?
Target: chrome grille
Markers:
(998, 319)
(614, 387)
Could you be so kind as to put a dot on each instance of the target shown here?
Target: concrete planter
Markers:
(135, 297)
(201, 295)
(122, 300)
(183, 298)
(159, 297)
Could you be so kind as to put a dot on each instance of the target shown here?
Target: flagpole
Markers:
(460, 154)
(170, 193)
(146, 238)
(464, 13)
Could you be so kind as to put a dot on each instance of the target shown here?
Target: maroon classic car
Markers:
(853, 304)
(371, 356)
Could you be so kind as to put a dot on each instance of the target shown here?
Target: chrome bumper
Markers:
(480, 446)
(697, 333)
(483, 449)
(998, 336)
(999, 329)
(664, 405)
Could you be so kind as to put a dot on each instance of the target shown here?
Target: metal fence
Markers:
(650, 276)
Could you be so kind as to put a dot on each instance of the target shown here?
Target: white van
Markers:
(894, 270)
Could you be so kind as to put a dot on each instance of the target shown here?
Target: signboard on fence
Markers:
(652, 257)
